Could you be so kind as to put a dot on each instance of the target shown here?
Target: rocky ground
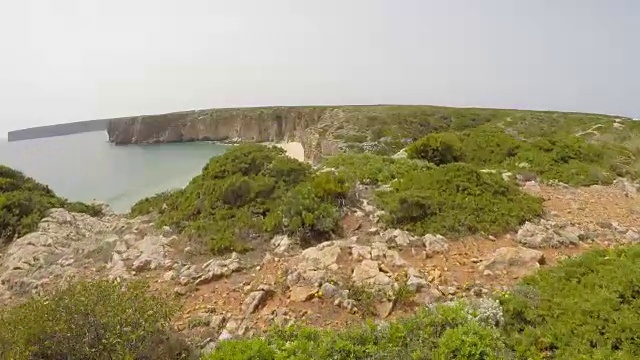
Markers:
(369, 272)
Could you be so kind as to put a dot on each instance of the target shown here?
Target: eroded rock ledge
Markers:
(313, 127)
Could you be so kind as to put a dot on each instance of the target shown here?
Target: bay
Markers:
(83, 167)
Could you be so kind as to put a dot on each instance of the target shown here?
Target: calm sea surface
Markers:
(84, 167)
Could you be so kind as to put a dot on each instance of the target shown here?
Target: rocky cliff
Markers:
(58, 130)
(311, 126)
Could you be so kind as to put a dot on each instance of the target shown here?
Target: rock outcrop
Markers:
(69, 246)
(313, 127)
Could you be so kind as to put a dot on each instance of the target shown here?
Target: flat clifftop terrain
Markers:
(416, 233)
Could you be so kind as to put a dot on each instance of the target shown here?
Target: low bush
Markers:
(151, 204)
(312, 210)
(24, 202)
(456, 199)
(371, 169)
(437, 148)
(430, 334)
(92, 320)
(249, 192)
(567, 158)
(587, 307)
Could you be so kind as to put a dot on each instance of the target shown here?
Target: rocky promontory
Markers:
(308, 125)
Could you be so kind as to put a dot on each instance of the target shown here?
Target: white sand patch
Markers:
(293, 149)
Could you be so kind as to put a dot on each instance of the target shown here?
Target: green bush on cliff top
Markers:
(24, 202)
(248, 192)
(456, 199)
(569, 159)
(372, 169)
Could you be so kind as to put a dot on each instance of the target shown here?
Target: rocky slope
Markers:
(368, 272)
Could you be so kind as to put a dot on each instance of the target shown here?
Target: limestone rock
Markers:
(434, 244)
(397, 237)
(416, 283)
(384, 309)
(632, 236)
(302, 293)
(314, 265)
(253, 302)
(516, 260)
(212, 270)
(281, 244)
(368, 273)
(627, 186)
(328, 291)
(548, 234)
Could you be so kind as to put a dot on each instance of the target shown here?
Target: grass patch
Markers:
(24, 202)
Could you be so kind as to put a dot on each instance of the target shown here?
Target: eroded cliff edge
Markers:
(313, 127)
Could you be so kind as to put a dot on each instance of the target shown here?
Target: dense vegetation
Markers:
(253, 191)
(370, 169)
(391, 126)
(249, 192)
(568, 159)
(586, 308)
(92, 320)
(446, 332)
(457, 199)
(24, 202)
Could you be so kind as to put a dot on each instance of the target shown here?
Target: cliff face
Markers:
(307, 125)
(58, 130)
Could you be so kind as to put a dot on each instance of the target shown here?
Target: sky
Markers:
(71, 60)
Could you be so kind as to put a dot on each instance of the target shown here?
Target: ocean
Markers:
(83, 167)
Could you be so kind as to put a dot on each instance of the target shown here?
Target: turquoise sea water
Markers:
(84, 167)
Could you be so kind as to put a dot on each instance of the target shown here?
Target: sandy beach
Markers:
(293, 149)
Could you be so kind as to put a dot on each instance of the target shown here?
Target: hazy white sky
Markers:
(69, 60)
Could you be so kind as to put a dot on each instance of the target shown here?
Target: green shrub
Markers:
(487, 146)
(574, 161)
(587, 307)
(437, 148)
(249, 192)
(251, 349)
(312, 209)
(151, 204)
(457, 199)
(566, 158)
(24, 202)
(371, 169)
(91, 320)
(471, 341)
(425, 335)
